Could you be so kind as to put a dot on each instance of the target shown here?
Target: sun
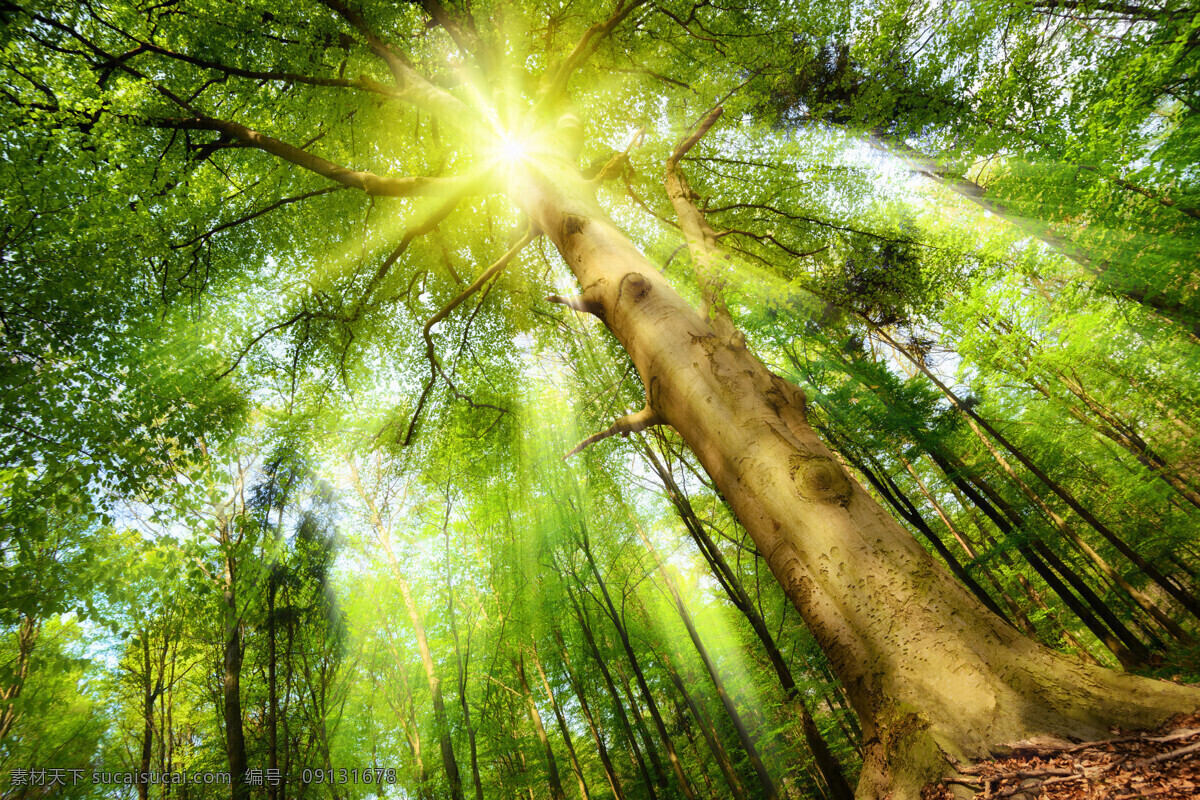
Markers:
(511, 149)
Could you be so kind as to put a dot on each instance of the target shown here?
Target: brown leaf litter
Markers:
(1162, 765)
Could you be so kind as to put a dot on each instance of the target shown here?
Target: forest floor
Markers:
(1162, 764)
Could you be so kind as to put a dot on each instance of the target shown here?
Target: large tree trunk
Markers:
(933, 676)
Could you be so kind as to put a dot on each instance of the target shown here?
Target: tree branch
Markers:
(368, 182)
(630, 423)
(256, 214)
(700, 237)
(583, 50)
(412, 86)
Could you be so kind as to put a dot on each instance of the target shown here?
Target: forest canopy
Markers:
(631, 398)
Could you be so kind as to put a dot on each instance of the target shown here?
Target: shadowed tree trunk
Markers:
(839, 788)
(614, 780)
(562, 723)
(711, 738)
(739, 725)
(556, 790)
(618, 705)
(672, 757)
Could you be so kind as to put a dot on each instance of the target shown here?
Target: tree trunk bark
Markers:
(893, 624)
(969, 548)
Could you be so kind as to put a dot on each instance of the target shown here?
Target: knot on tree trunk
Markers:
(634, 287)
(819, 479)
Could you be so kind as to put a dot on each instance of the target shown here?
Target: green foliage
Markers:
(227, 414)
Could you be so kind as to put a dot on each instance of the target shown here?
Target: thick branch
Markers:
(361, 83)
(369, 182)
(700, 237)
(413, 87)
(630, 423)
(581, 303)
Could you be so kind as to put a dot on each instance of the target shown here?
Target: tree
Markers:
(205, 108)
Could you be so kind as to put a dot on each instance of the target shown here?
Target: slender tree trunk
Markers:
(639, 720)
(1110, 425)
(272, 687)
(556, 789)
(707, 730)
(614, 780)
(562, 724)
(1151, 571)
(143, 787)
(839, 787)
(27, 633)
(677, 768)
(1136, 648)
(235, 741)
(890, 620)
(463, 660)
(683, 723)
(1038, 555)
(739, 725)
(284, 770)
(619, 706)
(449, 762)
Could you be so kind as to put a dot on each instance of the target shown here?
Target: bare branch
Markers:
(426, 333)
(700, 237)
(630, 423)
(688, 142)
(256, 214)
(580, 303)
